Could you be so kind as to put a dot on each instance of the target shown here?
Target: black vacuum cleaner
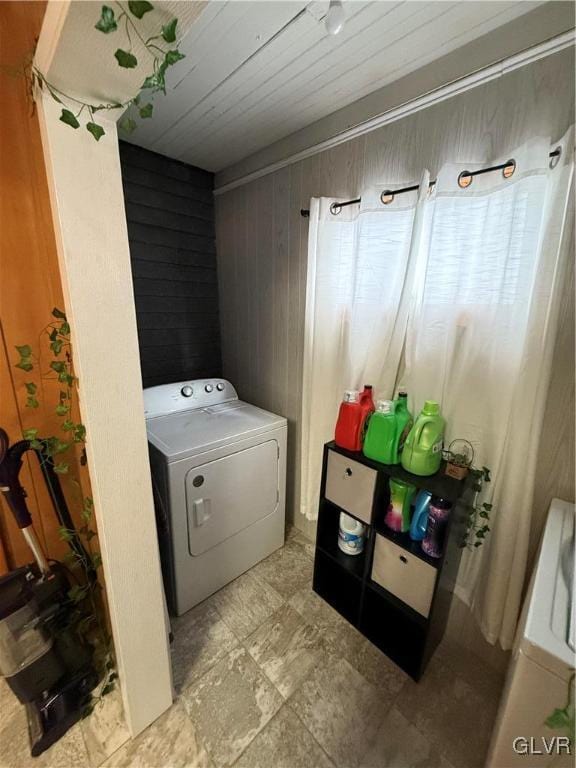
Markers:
(43, 660)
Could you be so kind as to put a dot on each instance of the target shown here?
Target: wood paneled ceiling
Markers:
(255, 72)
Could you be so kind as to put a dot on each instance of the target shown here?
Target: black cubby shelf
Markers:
(408, 625)
(439, 484)
(403, 540)
(327, 541)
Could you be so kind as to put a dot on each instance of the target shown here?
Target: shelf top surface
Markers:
(438, 484)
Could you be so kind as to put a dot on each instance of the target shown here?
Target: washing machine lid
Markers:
(548, 634)
(186, 433)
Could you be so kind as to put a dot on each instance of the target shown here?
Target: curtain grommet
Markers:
(509, 169)
(464, 179)
(386, 197)
(335, 209)
(555, 157)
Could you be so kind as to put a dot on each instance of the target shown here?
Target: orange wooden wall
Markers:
(30, 283)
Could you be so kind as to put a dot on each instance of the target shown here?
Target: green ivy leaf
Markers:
(66, 378)
(30, 434)
(558, 720)
(126, 59)
(31, 388)
(62, 409)
(64, 329)
(96, 560)
(127, 124)
(24, 364)
(487, 506)
(146, 110)
(69, 118)
(61, 468)
(58, 366)
(107, 689)
(56, 346)
(139, 7)
(58, 314)
(65, 534)
(31, 402)
(36, 445)
(107, 22)
(169, 31)
(79, 433)
(96, 130)
(24, 351)
(172, 57)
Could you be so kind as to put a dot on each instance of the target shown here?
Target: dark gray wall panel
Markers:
(170, 215)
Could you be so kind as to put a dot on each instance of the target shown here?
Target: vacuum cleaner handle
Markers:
(10, 466)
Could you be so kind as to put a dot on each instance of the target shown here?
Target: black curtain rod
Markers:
(464, 180)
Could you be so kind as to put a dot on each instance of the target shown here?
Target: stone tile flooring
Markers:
(267, 675)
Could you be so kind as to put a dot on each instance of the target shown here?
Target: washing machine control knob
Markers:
(208, 387)
(220, 386)
(187, 390)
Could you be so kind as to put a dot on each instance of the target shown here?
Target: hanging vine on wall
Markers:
(162, 48)
(83, 560)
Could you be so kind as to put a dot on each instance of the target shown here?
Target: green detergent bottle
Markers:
(380, 442)
(422, 452)
(404, 423)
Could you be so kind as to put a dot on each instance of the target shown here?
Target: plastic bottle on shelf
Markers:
(352, 416)
(420, 516)
(351, 535)
(398, 513)
(404, 422)
(380, 443)
(438, 516)
(422, 452)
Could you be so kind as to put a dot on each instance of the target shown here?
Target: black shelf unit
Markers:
(345, 581)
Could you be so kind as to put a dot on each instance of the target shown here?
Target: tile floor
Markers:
(267, 675)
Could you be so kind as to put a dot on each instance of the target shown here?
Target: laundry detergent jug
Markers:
(398, 513)
(380, 443)
(404, 423)
(420, 516)
(354, 411)
(422, 452)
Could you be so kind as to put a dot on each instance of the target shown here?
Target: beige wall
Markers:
(262, 241)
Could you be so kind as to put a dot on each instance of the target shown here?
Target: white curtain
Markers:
(356, 313)
(477, 319)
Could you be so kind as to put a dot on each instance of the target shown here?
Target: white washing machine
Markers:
(219, 477)
(540, 675)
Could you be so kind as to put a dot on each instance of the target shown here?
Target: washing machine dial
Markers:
(220, 386)
(187, 391)
(208, 388)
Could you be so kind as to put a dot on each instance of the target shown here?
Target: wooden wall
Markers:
(170, 215)
(29, 278)
(262, 244)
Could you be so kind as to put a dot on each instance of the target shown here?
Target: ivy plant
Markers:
(84, 562)
(162, 52)
(563, 719)
(479, 512)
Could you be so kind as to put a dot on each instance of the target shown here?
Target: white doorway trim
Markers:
(87, 203)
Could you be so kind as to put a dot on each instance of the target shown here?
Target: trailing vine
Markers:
(83, 560)
(161, 48)
(478, 511)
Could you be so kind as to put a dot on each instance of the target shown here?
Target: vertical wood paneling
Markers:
(30, 285)
(475, 127)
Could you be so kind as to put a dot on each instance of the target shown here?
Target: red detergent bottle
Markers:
(354, 412)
